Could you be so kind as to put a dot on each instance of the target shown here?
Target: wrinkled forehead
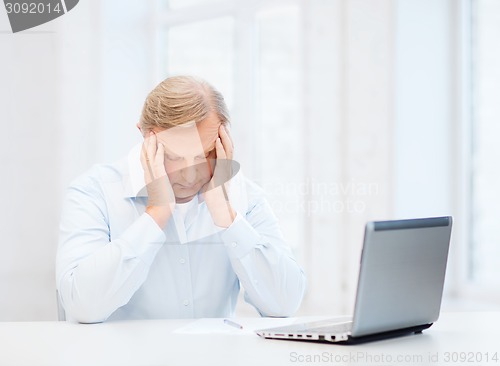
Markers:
(190, 139)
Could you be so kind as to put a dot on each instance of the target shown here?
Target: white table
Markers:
(456, 339)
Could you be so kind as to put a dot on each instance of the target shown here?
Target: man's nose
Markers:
(189, 173)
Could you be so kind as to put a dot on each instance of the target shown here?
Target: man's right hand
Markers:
(161, 199)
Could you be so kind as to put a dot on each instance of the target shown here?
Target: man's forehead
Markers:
(188, 138)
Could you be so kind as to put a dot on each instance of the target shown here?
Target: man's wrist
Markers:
(225, 218)
(160, 214)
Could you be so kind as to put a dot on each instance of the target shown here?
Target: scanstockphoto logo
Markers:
(28, 14)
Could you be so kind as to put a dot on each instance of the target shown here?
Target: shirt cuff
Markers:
(240, 237)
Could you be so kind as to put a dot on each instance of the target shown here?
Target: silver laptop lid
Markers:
(402, 272)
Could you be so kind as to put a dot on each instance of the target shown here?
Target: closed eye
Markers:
(173, 158)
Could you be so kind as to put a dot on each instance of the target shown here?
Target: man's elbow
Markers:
(288, 304)
(291, 303)
(84, 311)
(85, 314)
(283, 310)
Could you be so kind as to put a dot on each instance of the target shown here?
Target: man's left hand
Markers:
(215, 191)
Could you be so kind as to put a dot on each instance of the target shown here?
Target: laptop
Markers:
(400, 285)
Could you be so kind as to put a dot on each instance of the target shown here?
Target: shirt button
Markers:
(182, 261)
(186, 302)
(234, 244)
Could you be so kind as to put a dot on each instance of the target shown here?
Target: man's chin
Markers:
(183, 198)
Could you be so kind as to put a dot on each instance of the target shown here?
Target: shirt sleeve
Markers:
(273, 281)
(96, 275)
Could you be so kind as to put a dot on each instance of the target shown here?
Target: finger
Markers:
(152, 146)
(160, 155)
(228, 134)
(226, 142)
(145, 156)
(146, 146)
(219, 149)
(144, 153)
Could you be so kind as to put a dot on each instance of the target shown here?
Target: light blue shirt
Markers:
(114, 261)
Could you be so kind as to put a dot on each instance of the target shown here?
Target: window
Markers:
(485, 184)
(250, 51)
(279, 115)
(204, 49)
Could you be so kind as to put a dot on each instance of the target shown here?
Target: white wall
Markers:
(66, 88)
(105, 74)
(29, 156)
(348, 108)
(427, 155)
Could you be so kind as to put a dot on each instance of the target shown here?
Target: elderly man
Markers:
(174, 229)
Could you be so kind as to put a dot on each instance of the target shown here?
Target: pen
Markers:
(233, 324)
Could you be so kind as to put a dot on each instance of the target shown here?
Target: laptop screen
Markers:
(402, 273)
